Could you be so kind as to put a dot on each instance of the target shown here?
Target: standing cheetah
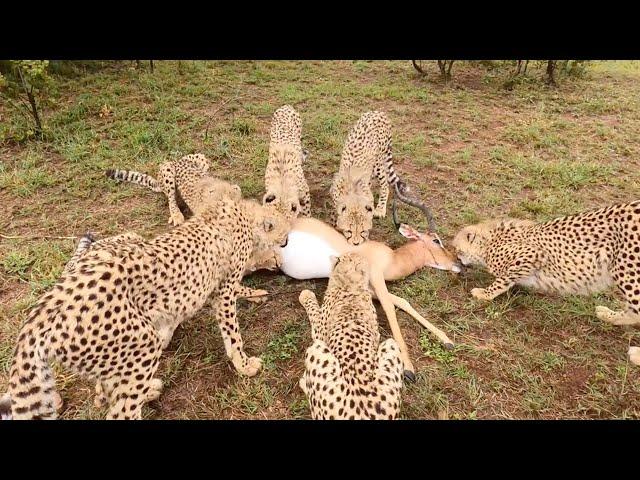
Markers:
(188, 179)
(286, 188)
(348, 373)
(112, 311)
(578, 254)
(367, 152)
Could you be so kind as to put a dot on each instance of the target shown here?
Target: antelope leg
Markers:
(404, 305)
(381, 292)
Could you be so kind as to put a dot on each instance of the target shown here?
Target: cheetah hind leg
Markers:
(389, 375)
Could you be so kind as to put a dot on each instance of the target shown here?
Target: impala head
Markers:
(354, 208)
(435, 255)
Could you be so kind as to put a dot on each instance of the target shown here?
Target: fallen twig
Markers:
(215, 112)
(35, 237)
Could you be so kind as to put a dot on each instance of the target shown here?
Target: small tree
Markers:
(443, 65)
(22, 82)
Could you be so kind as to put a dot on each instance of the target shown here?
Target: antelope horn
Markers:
(402, 190)
(394, 211)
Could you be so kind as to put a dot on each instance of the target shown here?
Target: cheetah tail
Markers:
(31, 382)
(134, 177)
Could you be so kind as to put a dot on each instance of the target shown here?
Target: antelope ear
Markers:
(334, 260)
(409, 232)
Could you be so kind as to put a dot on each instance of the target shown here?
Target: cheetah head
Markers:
(349, 270)
(354, 218)
(271, 229)
(286, 204)
(213, 189)
(354, 208)
(469, 244)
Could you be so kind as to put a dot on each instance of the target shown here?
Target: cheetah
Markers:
(286, 188)
(366, 152)
(577, 254)
(186, 179)
(112, 311)
(349, 374)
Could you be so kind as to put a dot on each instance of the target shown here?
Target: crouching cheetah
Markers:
(578, 254)
(119, 302)
(188, 179)
(286, 189)
(348, 373)
(367, 152)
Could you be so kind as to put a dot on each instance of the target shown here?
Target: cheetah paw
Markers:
(380, 213)
(176, 219)
(634, 355)
(259, 296)
(303, 385)
(253, 366)
(305, 296)
(606, 314)
(57, 401)
(480, 294)
(155, 389)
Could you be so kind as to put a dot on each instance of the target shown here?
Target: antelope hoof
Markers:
(448, 346)
(410, 376)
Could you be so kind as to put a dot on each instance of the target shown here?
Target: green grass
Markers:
(473, 150)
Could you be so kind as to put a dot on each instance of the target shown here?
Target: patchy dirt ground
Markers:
(472, 148)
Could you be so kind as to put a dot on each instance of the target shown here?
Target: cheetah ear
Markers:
(334, 261)
(305, 155)
(268, 225)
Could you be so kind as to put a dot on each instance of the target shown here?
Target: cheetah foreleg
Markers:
(305, 203)
(381, 208)
(498, 287)
(225, 307)
(310, 303)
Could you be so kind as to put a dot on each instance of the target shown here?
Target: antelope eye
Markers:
(369, 208)
(437, 241)
(270, 198)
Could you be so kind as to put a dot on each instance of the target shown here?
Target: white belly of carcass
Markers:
(306, 256)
